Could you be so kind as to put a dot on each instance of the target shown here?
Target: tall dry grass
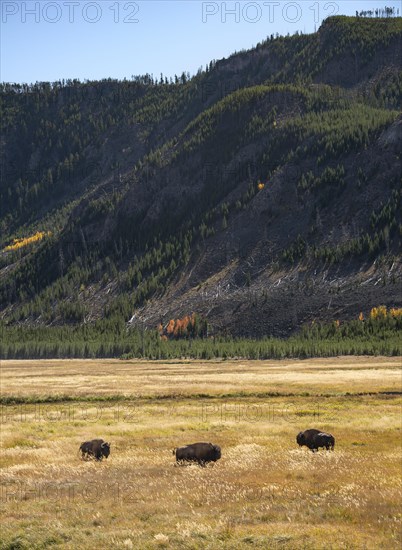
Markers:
(265, 492)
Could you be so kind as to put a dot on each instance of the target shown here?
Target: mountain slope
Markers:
(262, 193)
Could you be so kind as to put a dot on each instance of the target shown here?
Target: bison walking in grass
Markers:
(97, 448)
(313, 439)
(198, 452)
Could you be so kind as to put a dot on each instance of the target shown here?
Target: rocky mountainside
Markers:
(262, 193)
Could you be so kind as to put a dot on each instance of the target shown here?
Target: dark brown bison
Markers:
(313, 439)
(198, 452)
(96, 448)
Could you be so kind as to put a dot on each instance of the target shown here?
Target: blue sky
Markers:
(51, 40)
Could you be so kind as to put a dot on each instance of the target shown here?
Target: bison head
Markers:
(217, 451)
(105, 448)
(300, 438)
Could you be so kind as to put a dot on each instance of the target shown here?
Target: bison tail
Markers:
(174, 451)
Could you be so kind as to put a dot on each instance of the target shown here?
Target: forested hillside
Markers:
(261, 194)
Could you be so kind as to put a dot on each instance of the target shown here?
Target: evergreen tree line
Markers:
(112, 338)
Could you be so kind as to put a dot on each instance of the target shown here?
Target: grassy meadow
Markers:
(265, 492)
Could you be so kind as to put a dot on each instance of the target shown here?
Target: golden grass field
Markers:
(265, 492)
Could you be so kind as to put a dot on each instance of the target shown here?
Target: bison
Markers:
(198, 452)
(313, 439)
(96, 448)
